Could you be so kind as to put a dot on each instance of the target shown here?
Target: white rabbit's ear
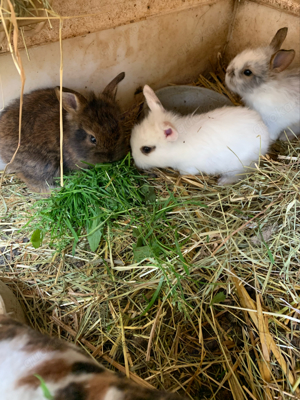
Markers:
(151, 99)
(170, 132)
(281, 60)
(279, 38)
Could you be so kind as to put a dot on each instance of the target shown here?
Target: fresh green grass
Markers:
(93, 199)
(117, 198)
(44, 388)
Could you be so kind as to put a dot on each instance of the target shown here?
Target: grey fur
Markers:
(260, 73)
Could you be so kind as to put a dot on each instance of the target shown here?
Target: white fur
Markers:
(16, 363)
(19, 359)
(114, 394)
(221, 141)
(13, 365)
(277, 100)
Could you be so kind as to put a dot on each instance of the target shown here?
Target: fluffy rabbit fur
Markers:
(69, 373)
(221, 141)
(260, 77)
(91, 126)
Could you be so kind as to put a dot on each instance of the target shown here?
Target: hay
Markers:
(30, 14)
(213, 313)
(28, 8)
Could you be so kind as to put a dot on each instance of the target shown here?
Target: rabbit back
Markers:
(39, 136)
(277, 101)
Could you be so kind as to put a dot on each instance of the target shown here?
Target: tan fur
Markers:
(99, 384)
(53, 370)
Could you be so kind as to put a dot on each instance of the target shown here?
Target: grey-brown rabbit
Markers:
(91, 126)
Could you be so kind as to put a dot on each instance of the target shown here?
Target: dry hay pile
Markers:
(203, 300)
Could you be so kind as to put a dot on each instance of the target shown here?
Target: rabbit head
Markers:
(254, 67)
(95, 134)
(151, 139)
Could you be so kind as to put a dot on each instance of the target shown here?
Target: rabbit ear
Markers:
(278, 39)
(112, 87)
(151, 99)
(281, 60)
(71, 100)
(170, 132)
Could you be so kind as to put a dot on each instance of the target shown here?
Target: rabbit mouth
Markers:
(230, 73)
(230, 82)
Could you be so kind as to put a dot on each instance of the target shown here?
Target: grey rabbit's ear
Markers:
(111, 88)
(71, 100)
(279, 38)
(281, 60)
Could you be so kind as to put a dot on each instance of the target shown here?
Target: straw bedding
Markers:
(191, 287)
(199, 296)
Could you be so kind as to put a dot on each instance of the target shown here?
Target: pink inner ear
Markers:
(282, 59)
(168, 132)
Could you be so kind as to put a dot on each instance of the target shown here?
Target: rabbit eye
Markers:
(247, 72)
(147, 149)
(93, 139)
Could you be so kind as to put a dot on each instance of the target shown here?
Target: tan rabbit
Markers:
(92, 133)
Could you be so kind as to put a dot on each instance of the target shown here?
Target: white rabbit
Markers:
(222, 141)
(260, 77)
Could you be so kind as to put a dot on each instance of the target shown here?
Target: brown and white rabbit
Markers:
(223, 141)
(69, 373)
(91, 126)
(260, 77)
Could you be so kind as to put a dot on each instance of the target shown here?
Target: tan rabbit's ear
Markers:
(151, 99)
(279, 38)
(71, 100)
(112, 87)
(281, 60)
